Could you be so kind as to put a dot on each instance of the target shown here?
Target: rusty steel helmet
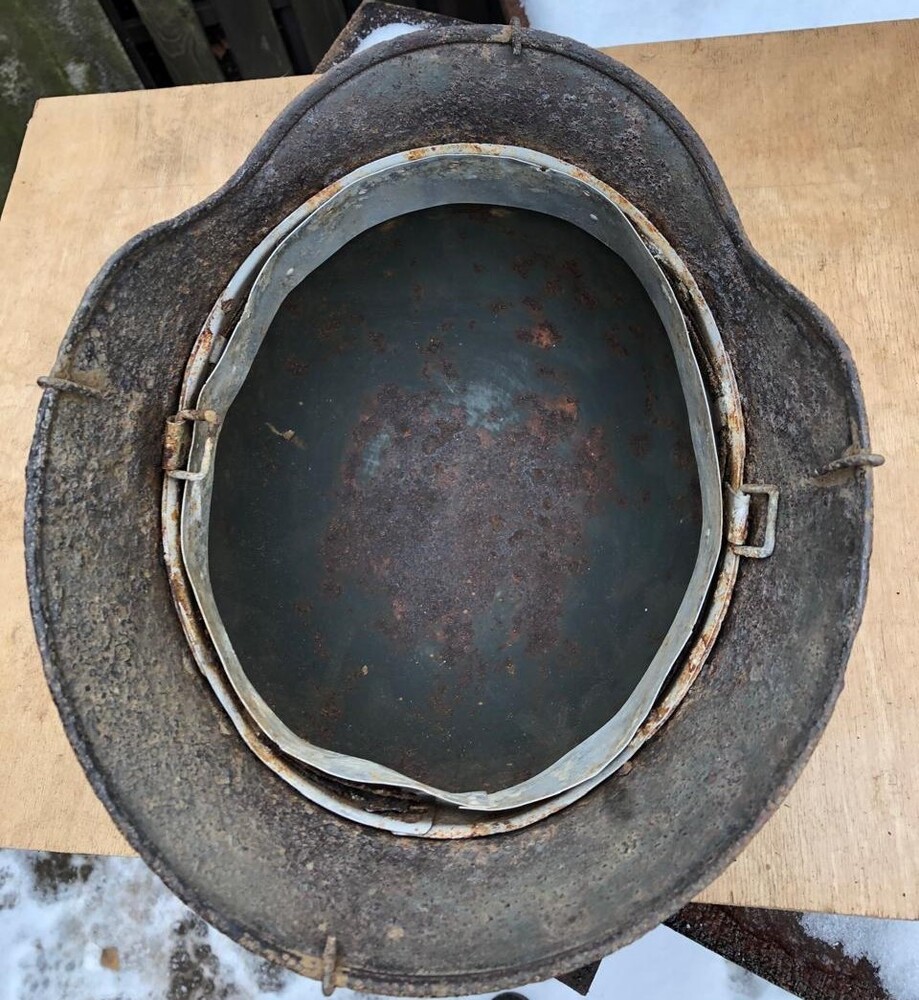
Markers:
(445, 542)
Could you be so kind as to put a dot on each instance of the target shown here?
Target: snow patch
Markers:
(100, 928)
(600, 22)
(385, 33)
(891, 946)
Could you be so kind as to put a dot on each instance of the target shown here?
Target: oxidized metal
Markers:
(464, 428)
(298, 881)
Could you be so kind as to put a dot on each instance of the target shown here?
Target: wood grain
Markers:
(319, 21)
(816, 134)
(253, 37)
(180, 40)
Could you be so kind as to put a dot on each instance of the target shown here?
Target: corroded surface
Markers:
(247, 851)
(456, 505)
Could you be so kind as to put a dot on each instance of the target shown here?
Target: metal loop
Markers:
(174, 444)
(767, 547)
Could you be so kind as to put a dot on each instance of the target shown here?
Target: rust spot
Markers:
(331, 706)
(441, 701)
(639, 445)
(295, 366)
(462, 524)
(615, 344)
(331, 189)
(206, 341)
(566, 407)
(175, 444)
(523, 265)
(573, 268)
(534, 305)
(542, 335)
(682, 455)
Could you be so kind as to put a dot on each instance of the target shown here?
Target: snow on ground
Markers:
(76, 927)
(621, 22)
(891, 946)
(384, 33)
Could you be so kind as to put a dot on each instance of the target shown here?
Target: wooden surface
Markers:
(180, 40)
(47, 47)
(253, 37)
(816, 134)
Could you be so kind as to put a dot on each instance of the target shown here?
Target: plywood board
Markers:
(816, 134)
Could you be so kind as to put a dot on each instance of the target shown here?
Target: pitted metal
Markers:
(415, 915)
(494, 175)
(418, 819)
